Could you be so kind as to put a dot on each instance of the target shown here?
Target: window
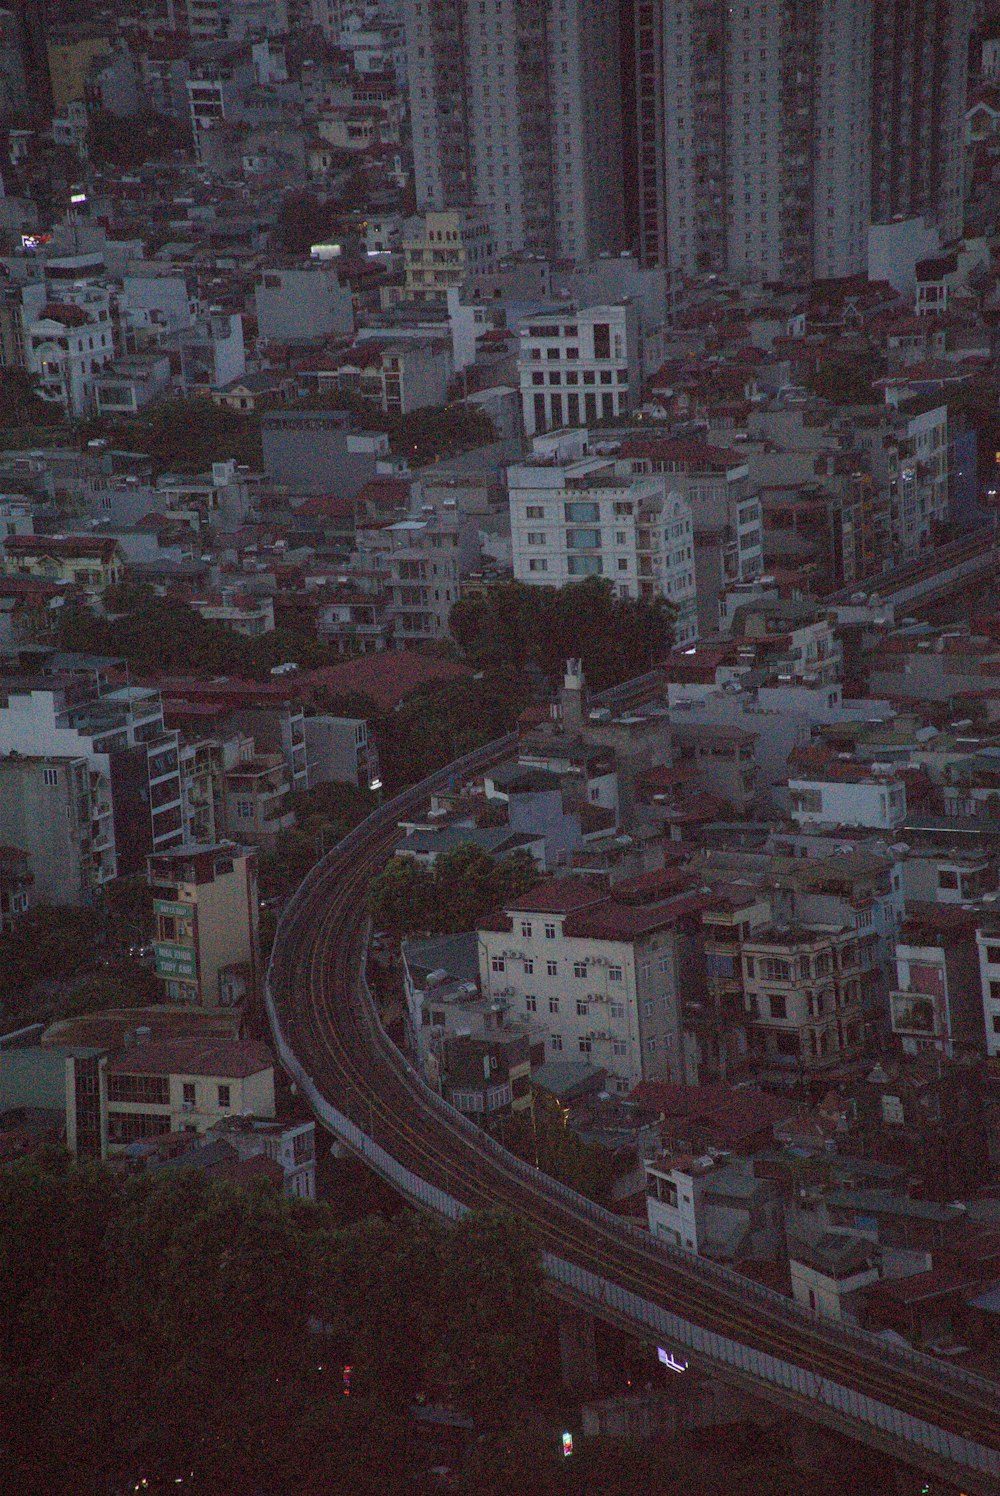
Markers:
(553, 1005)
(995, 992)
(947, 879)
(779, 1007)
(538, 565)
(529, 968)
(555, 1043)
(614, 973)
(552, 968)
(585, 1046)
(531, 1003)
(618, 1010)
(619, 1047)
(993, 955)
(580, 969)
(602, 340)
(244, 809)
(749, 966)
(50, 778)
(224, 1096)
(151, 1090)
(189, 1093)
(550, 932)
(525, 929)
(996, 1023)
(651, 1044)
(498, 963)
(534, 511)
(647, 1009)
(582, 1007)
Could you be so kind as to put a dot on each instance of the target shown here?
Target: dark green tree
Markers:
(402, 897)
(304, 220)
(465, 886)
(123, 144)
(20, 404)
(515, 626)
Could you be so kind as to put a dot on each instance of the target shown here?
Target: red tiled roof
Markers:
(100, 547)
(235, 1058)
(694, 454)
(388, 677)
(384, 493)
(613, 921)
(327, 506)
(738, 1114)
(919, 1287)
(559, 896)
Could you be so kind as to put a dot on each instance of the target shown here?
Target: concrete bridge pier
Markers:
(578, 1349)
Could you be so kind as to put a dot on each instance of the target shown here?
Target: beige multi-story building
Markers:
(445, 248)
(805, 991)
(206, 940)
(89, 562)
(597, 975)
(185, 1085)
(516, 107)
(71, 50)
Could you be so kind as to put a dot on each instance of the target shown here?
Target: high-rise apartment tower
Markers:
(753, 135)
(770, 135)
(516, 109)
(920, 59)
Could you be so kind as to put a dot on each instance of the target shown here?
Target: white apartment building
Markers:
(71, 339)
(132, 758)
(580, 518)
(517, 108)
(847, 794)
(728, 526)
(419, 562)
(598, 977)
(579, 365)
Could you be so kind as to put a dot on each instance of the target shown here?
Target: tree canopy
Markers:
(182, 435)
(515, 625)
(171, 1329)
(463, 888)
(20, 404)
(124, 144)
(160, 635)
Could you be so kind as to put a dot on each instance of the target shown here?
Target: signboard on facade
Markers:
(174, 961)
(177, 911)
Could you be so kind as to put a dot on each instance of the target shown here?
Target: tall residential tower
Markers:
(920, 63)
(516, 109)
(753, 135)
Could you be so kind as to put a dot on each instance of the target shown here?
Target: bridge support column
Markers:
(577, 1349)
